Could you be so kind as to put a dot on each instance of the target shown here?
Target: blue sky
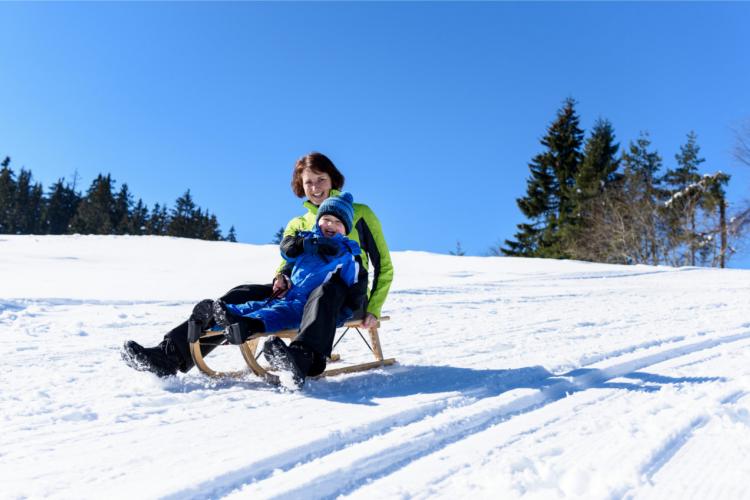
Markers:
(431, 110)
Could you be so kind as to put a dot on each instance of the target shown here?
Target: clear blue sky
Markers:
(431, 110)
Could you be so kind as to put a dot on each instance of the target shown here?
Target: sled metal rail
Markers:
(250, 347)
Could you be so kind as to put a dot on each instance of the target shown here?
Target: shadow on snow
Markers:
(402, 381)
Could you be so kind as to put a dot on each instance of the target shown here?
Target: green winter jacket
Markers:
(367, 232)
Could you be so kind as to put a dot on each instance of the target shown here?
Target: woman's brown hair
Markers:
(317, 162)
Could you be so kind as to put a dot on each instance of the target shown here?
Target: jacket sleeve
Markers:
(292, 247)
(294, 226)
(372, 241)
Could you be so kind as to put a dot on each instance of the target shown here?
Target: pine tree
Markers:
(278, 236)
(600, 162)
(121, 211)
(62, 204)
(459, 251)
(96, 210)
(20, 202)
(28, 205)
(597, 174)
(200, 224)
(550, 192)
(642, 189)
(183, 219)
(687, 160)
(684, 201)
(158, 221)
(232, 235)
(207, 226)
(214, 231)
(7, 197)
(37, 210)
(138, 220)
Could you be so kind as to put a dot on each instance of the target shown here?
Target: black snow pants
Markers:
(317, 329)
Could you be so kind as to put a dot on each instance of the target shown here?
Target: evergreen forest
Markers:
(588, 199)
(25, 208)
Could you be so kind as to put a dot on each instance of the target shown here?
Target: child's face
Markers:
(331, 225)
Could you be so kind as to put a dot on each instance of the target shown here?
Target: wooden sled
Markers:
(251, 353)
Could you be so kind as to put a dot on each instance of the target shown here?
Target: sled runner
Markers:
(251, 353)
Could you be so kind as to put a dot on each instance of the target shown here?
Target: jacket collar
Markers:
(313, 208)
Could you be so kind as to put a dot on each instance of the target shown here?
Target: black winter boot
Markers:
(296, 359)
(163, 360)
(318, 365)
(203, 313)
(240, 331)
(220, 314)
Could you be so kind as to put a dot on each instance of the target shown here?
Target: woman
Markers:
(316, 178)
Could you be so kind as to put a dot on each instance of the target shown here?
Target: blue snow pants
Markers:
(276, 314)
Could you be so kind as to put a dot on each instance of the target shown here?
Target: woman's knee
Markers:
(246, 293)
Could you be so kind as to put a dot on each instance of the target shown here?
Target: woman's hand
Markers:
(281, 285)
(370, 321)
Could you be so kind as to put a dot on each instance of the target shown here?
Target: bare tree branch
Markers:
(742, 143)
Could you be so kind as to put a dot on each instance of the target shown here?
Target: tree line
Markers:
(587, 200)
(25, 208)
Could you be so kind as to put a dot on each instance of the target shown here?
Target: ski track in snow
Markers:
(539, 379)
(427, 436)
(435, 425)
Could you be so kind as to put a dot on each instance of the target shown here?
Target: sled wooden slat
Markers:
(249, 351)
(357, 368)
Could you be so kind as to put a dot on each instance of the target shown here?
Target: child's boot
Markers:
(203, 313)
(239, 331)
(220, 314)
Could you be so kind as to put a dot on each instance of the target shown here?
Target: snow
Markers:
(516, 378)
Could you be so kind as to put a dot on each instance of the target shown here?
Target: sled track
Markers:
(426, 430)
(671, 447)
(310, 451)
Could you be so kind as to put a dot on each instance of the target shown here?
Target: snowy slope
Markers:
(516, 378)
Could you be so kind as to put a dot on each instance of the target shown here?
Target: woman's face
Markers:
(317, 185)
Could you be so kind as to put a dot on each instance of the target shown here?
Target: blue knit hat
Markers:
(340, 207)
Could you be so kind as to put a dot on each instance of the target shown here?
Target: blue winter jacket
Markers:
(309, 272)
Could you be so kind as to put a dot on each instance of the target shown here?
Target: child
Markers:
(316, 256)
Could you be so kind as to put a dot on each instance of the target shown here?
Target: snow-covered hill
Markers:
(515, 378)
